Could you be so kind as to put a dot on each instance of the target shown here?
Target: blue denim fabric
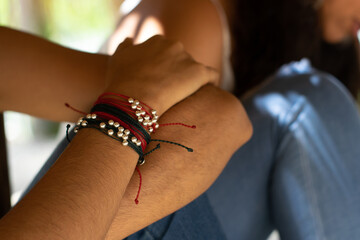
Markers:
(194, 221)
(300, 172)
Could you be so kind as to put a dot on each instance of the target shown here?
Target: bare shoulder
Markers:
(195, 23)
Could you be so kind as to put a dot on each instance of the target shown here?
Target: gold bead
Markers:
(151, 129)
(138, 143)
(120, 134)
(140, 119)
(133, 106)
(110, 132)
(138, 113)
(116, 124)
(121, 129)
(137, 102)
(153, 112)
(76, 130)
(111, 122)
(157, 125)
(102, 125)
(134, 139)
(130, 100)
(88, 116)
(127, 131)
(125, 143)
(125, 137)
(147, 117)
(93, 116)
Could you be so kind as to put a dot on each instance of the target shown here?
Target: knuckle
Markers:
(176, 46)
(198, 71)
(155, 40)
(157, 37)
(214, 73)
(204, 72)
(197, 67)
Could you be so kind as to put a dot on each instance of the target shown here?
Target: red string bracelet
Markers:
(137, 110)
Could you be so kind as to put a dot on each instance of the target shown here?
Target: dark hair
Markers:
(269, 33)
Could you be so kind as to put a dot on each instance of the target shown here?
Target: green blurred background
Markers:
(81, 24)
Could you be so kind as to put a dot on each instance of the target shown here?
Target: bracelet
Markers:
(114, 130)
(126, 120)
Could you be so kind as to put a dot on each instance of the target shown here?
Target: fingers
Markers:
(176, 48)
(191, 76)
(205, 74)
(166, 72)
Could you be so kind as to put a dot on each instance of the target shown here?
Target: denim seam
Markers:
(305, 166)
(314, 209)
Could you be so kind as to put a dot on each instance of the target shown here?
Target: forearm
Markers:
(38, 77)
(172, 177)
(79, 196)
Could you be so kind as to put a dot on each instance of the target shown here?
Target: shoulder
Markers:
(196, 23)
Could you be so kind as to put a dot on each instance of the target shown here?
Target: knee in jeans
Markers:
(316, 85)
(284, 97)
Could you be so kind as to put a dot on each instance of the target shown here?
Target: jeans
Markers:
(299, 173)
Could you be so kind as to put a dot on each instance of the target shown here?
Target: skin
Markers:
(44, 88)
(77, 198)
(130, 218)
(340, 19)
(205, 45)
(151, 58)
(52, 207)
(79, 78)
(188, 29)
(94, 171)
(172, 176)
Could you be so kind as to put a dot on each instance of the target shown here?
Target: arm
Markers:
(37, 77)
(173, 177)
(78, 197)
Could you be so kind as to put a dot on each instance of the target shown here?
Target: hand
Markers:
(157, 72)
